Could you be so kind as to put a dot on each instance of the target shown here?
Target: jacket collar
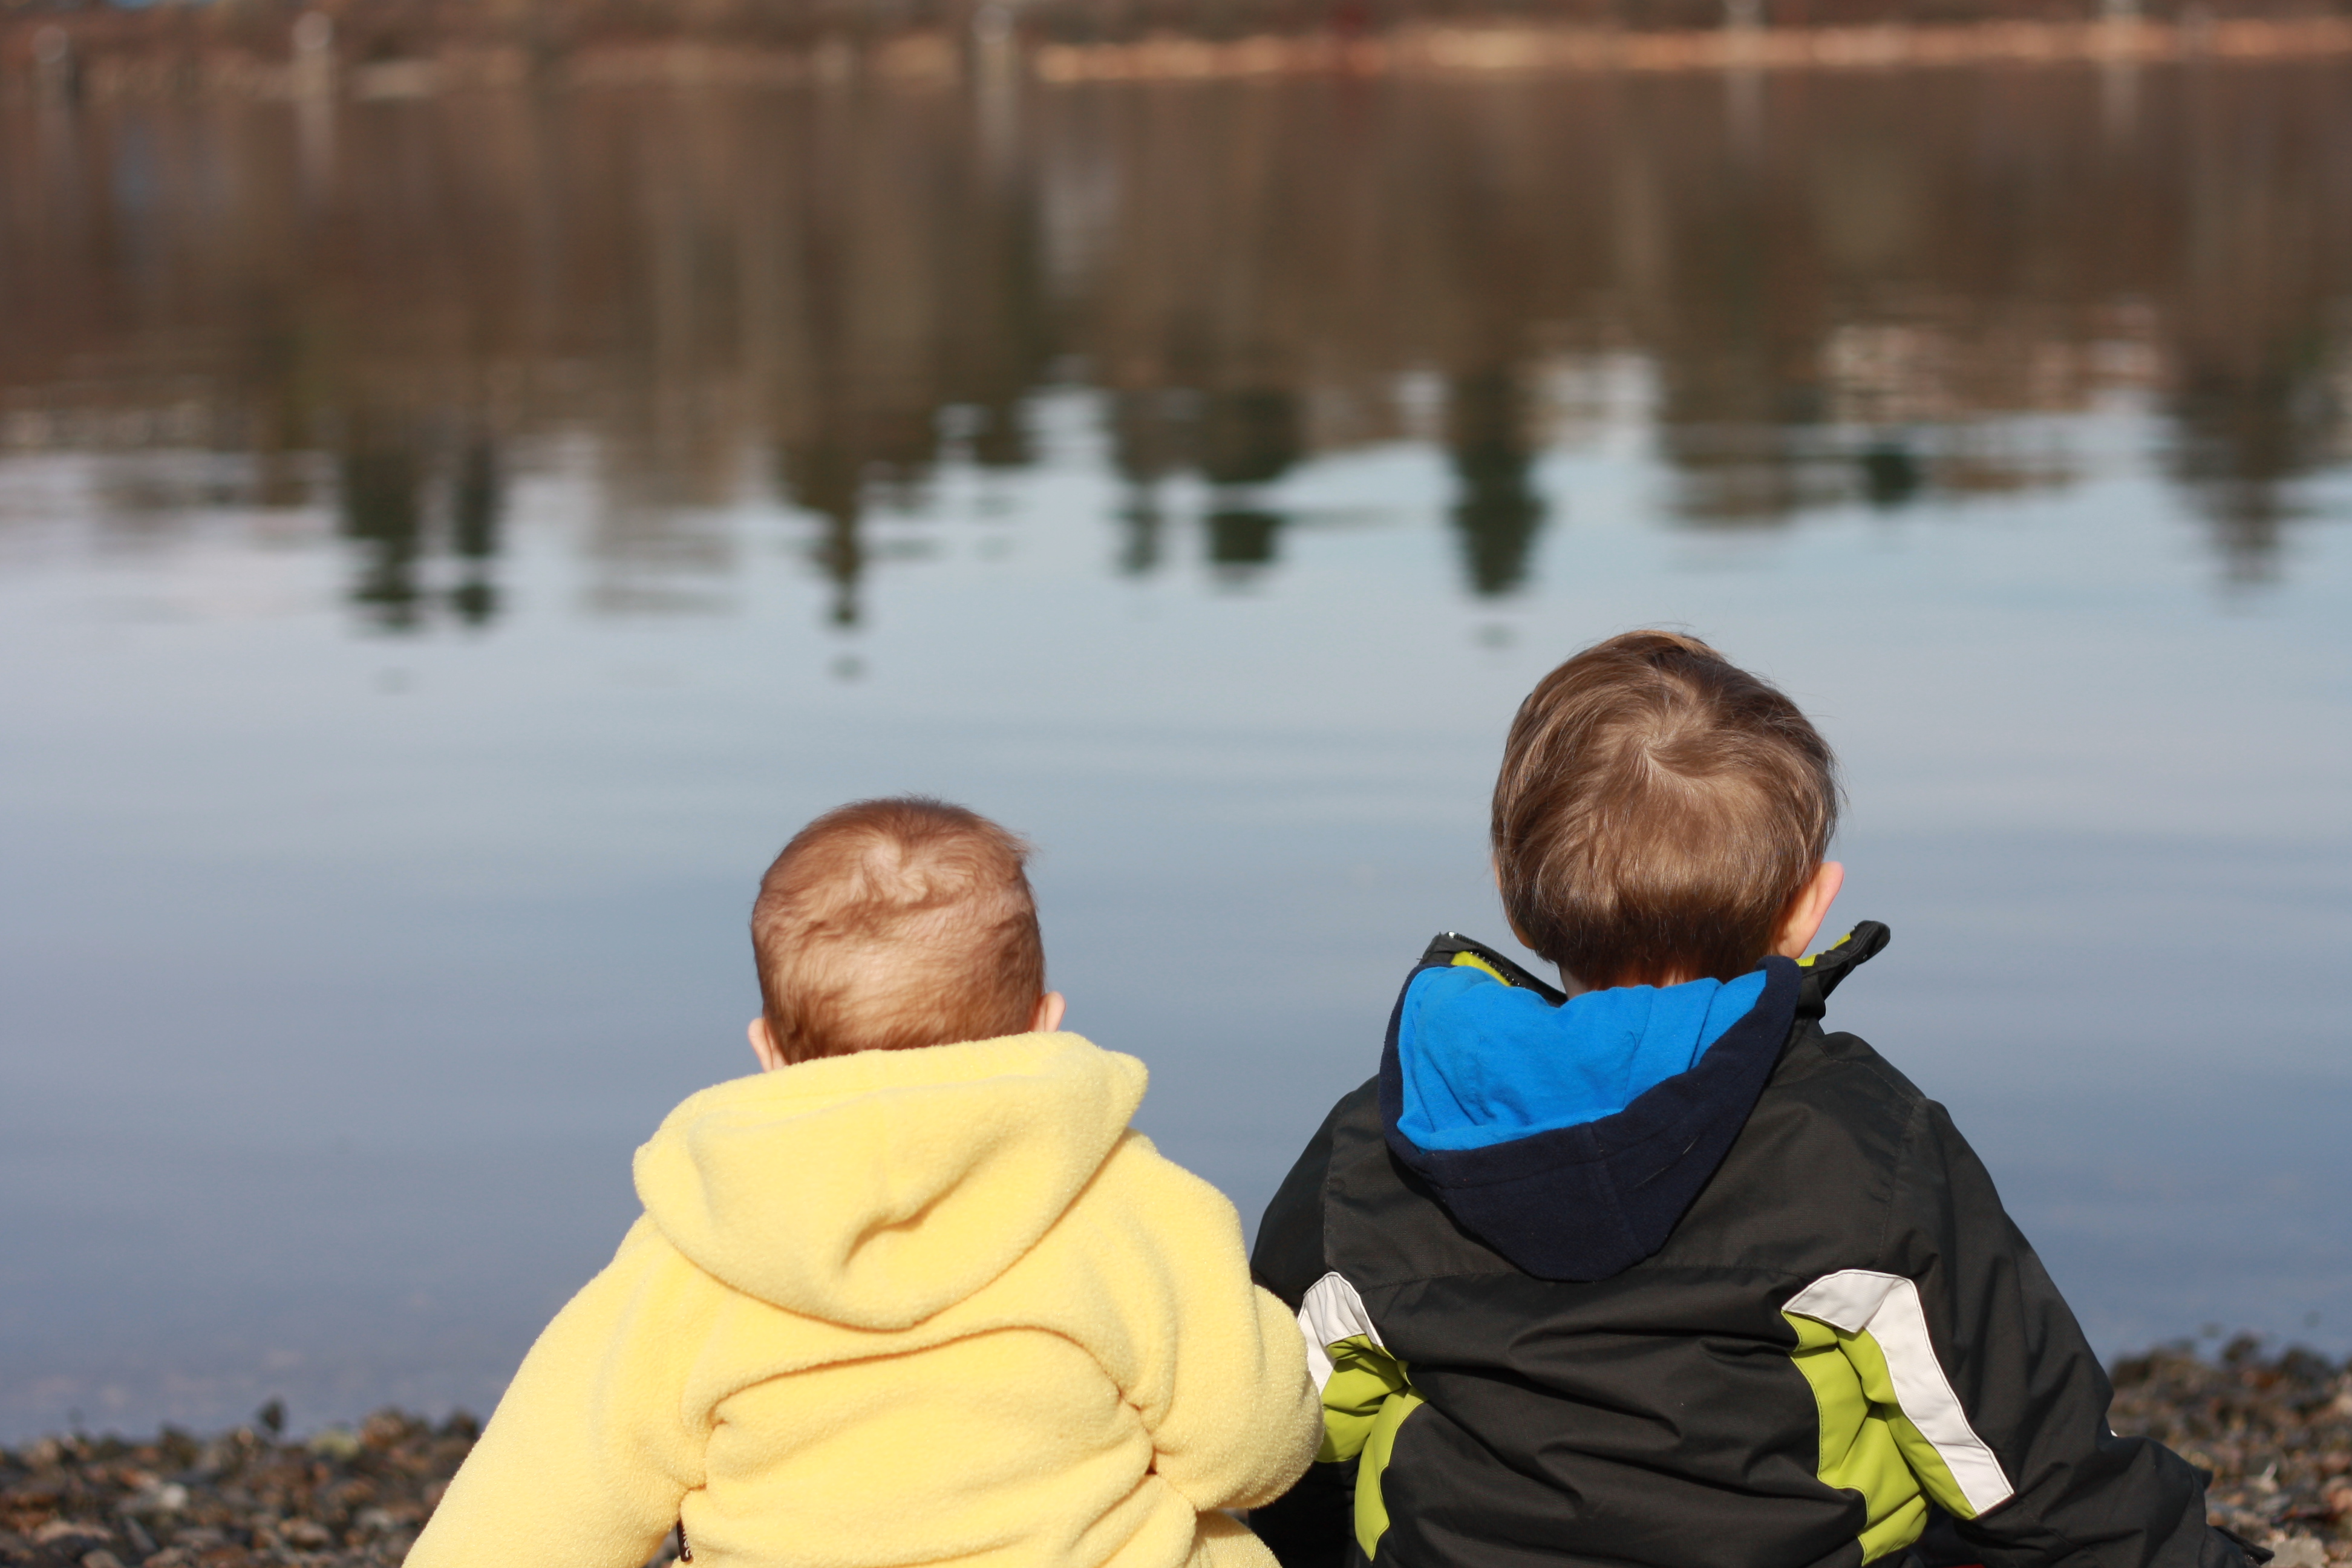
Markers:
(1590, 1200)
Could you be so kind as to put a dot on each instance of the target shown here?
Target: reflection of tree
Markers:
(1141, 522)
(892, 291)
(826, 479)
(1249, 437)
(1891, 473)
(1242, 540)
(1246, 437)
(1737, 327)
(1238, 439)
(2240, 440)
(843, 290)
(1146, 447)
(474, 529)
(1498, 513)
(1002, 439)
(2261, 317)
(387, 480)
(381, 512)
(836, 471)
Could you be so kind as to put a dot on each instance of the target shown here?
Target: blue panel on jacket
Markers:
(1485, 1063)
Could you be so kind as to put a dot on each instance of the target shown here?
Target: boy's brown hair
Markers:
(891, 924)
(1658, 810)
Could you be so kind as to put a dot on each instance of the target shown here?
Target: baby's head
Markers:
(1663, 816)
(889, 924)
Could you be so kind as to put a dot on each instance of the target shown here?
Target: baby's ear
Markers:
(1048, 1016)
(764, 1045)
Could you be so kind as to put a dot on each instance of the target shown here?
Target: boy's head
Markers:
(1662, 815)
(890, 924)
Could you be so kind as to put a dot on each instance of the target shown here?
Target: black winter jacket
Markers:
(1770, 1313)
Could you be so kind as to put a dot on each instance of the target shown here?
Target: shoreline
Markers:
(69, 59)
(1484, 51)
(2276, 1433)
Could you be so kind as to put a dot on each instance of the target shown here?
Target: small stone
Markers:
(58, 1529)
(101, 1559)
(387, 1430)
(170, 1496)
(335, 1442)
(307, 1533)
(2298, 1551)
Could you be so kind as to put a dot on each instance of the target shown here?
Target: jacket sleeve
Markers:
(1311, 1525)
(1214, 1364)
(590, 1452)
(2005, 1405)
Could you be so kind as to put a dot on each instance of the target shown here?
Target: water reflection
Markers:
(1838, 291)
(401, 503)
(474, 531)
(1500, 510)
(2244, 433)
(1891, 473)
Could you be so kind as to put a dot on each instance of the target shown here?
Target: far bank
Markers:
(376, 50)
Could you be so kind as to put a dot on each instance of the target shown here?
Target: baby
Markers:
(916, 1293)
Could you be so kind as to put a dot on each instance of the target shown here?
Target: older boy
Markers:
(901, 1300)
(1650, 1269)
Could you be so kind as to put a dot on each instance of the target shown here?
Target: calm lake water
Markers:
(446, 546)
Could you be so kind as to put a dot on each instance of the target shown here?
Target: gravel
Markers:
(2275, 1431)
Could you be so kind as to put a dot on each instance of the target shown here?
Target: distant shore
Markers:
(98, 56)
(2275, 1431)
(1463, 50)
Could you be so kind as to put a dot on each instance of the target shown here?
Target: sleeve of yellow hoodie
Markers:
(1215, 1365)
(592, 1448)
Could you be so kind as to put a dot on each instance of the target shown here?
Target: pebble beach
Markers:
(2275, 1431)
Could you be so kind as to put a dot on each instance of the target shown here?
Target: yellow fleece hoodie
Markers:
(902, 1306)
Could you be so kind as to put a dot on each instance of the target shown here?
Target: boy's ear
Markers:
(1808, 909)
(1048, 1016)
(764, 1045)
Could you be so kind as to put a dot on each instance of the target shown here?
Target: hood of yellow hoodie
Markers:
(878, 1189)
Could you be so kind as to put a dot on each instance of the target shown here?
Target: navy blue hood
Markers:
(1571, 1136)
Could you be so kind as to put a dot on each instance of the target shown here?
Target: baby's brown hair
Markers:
(891, 924)
(1658, 810)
